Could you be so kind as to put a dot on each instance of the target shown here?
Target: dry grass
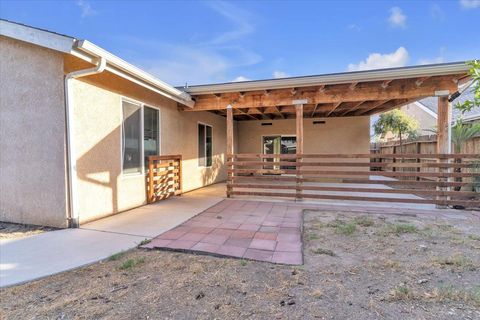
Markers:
(358, 272)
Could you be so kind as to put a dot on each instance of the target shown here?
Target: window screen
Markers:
(131, 138)
(150, 132)
(204, 145)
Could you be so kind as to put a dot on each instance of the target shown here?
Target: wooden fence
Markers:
(352, 177)
(423, 144)
(164, 177)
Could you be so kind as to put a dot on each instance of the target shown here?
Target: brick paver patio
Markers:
(262, 231)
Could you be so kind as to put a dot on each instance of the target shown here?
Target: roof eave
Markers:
(132, 73)
(328, 79)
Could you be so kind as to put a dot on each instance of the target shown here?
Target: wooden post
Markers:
(150, 181)
(444, 111)
(230, 149)
(180, 180)
(299, 132)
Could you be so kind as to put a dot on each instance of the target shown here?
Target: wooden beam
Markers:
(334, 107)
(230, 147)
(279, 112)
(398, 89)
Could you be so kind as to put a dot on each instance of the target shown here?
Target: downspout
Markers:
(72, 213)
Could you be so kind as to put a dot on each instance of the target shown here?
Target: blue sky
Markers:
(206, 42)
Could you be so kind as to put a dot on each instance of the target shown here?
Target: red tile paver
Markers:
(263, 244)
(253, 230)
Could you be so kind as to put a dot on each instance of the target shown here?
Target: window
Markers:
(132, 148)
(204, 145)
(150, 132)
(139, 123)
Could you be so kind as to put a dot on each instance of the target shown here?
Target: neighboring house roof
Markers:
(430, 104)
(89, 52)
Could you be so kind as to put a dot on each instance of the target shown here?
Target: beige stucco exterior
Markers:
(32, 135)
(336, 135)
(426, 121)
(33, 186)
(103, 189)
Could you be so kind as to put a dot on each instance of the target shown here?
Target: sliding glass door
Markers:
(279, 145)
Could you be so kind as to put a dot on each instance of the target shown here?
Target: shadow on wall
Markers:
(101, 166)
(107, 191)
(209, 175)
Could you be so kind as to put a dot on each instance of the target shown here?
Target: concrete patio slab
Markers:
(53, 252)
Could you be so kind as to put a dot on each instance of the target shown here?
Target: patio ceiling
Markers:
(336, 95)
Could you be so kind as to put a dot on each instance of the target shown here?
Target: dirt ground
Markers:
(17, 231)
(356, 267)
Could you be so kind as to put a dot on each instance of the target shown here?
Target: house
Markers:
(76, 123)
(425, 112)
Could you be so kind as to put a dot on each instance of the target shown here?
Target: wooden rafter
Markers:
(314, 110)
(334, 107)
(353, 108)
(373, 105)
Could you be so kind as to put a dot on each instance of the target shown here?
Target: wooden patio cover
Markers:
(348, 94)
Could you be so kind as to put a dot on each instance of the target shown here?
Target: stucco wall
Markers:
(32, 135)
(103, 189)
(336, 135)
(426, 121)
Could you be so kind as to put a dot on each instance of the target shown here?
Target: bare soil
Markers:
(356, 267)
(16, 231)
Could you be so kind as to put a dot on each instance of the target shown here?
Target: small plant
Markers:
(130, 263)
(312, 236)
(342, 227)
(144, 242)
(400, 228)
(324, 251)
(401, 292)
(116, 256)
(474, 237)
(458, 261)
(243, 262)
(347, 229)
(364, 221)
(449, 293)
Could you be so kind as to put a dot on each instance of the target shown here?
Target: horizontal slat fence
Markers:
(164, 177)
(441, 179)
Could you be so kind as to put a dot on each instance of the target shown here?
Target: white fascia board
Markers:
(35, 36)
(427, 110)
(132, 73)
(335, 78)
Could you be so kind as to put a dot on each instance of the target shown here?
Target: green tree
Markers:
(398, 123)
(475, 103)
(462, 132)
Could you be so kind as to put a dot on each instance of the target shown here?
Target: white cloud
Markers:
(397, 18)
(238, 17)
(439, 59)
(436, 12)
(279, 74)
(210, 58)
(353, 27)
(241, 78)
(470, 4)
(86, 8)
(399, 58)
